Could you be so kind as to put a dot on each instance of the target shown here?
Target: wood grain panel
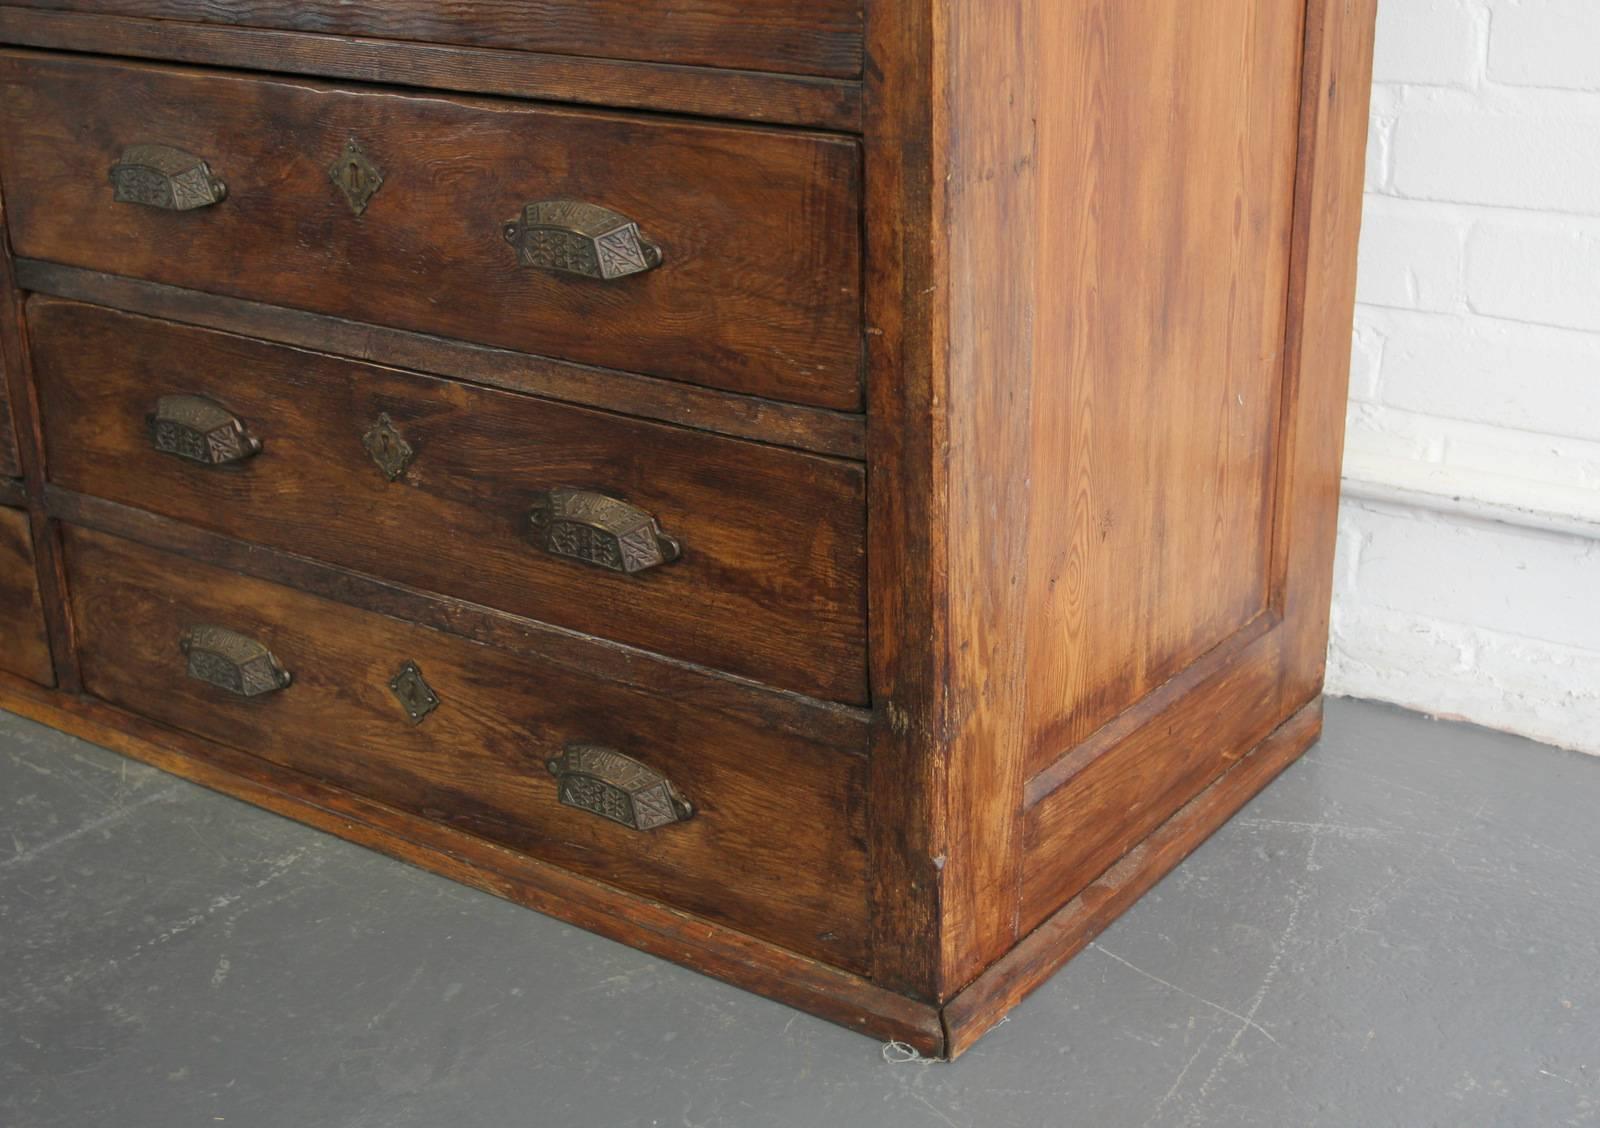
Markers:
(1168, 170)
(1078, 831)
(800, 36)
(824, 103)
(759, 291)
(770, 584)
(1094, 805)
(838, 725)
(1076, 924)
(24, 646)
(775, 847)
(667, 401)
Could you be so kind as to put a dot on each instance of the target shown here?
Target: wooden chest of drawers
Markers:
(840, 496)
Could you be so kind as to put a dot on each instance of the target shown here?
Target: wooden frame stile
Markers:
(30, 443)
(905, 415)
(950, 338)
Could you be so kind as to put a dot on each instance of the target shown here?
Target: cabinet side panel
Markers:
(1095, 804)
(1167, 148)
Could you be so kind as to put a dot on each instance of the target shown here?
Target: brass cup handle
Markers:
(232, 662)
(597, 529)
(159, 176)
(604, 782)
(200, 430)
(586, 240)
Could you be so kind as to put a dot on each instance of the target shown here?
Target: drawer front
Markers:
(741, 269)
(773, 844)
(821, 37)
(769, 575)
(24, 650)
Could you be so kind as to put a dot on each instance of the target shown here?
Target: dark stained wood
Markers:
(759, 291)
(1076, 924)
(24, 646)
(745, 417)
(10, 461)
(774, 848)
(841, 726)
(797, 36)
(904, 203)
(694, 942)
(17, 387)
(13, 492)
(770, 585)
(823, 103)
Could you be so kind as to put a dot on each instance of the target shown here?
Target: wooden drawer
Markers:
(771, 577)
(820, 37)
(24, 650)
(757, 288)
(775, 842)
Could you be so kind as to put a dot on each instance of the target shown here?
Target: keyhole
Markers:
(352, 176)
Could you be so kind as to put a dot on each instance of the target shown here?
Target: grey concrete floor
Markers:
(1404, 930)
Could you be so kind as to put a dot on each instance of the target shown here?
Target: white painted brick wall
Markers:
(1468, 579)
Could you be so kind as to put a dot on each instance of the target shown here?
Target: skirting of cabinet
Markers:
(711, 949)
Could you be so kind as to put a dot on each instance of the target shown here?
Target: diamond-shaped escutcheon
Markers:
(414, 693)
(356, 177)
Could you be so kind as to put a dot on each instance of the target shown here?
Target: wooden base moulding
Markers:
(722, 953)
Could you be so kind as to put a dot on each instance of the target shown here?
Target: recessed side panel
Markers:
(1169, 181)
(1232, 588)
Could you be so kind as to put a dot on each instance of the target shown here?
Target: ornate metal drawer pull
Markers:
(572, 237)
(604, 782)
(232, 662)
(200, 430)
(159, 176)
(600, 530)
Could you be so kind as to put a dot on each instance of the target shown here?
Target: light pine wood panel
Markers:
(1095, 805)
(1167, 179)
